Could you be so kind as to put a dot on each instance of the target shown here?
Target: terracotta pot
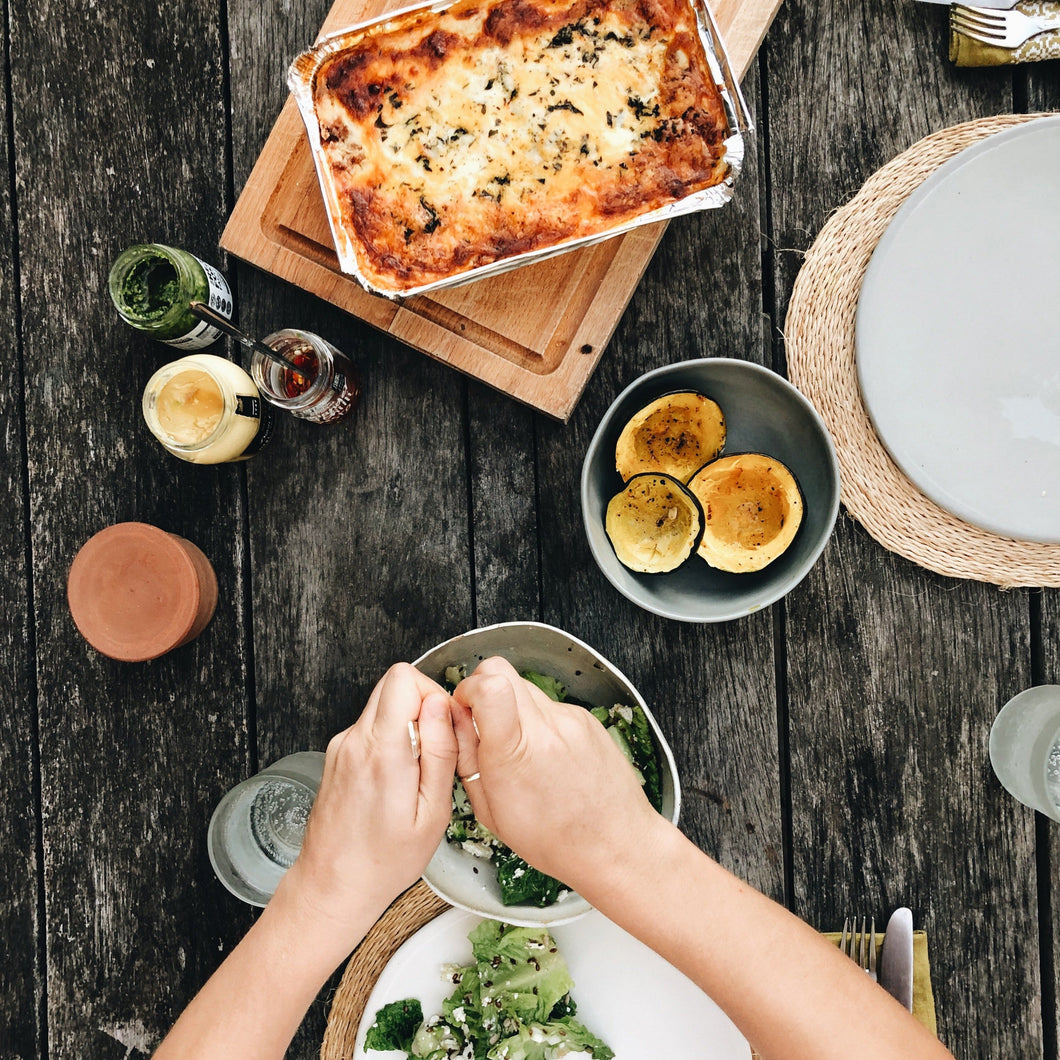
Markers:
(137, 592)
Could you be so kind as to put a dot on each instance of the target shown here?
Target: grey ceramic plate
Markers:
(469, 882)
(958, 334)
(763, 413)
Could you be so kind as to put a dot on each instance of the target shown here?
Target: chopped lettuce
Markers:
(453, 676)
(552, 688)
(550, 1041)
(438, 1041)
(629, 728)
(522, 884)
(513, 1003)
(520, 969)
(463, 1008)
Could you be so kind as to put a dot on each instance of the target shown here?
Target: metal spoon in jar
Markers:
(222, 323)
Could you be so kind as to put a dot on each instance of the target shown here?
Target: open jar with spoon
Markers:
(325, 387)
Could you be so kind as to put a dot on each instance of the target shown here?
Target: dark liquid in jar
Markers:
(295, 384)
(331, 404)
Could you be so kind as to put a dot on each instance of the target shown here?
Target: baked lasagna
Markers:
(459, 138)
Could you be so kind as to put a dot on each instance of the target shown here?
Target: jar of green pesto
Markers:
(151, 286)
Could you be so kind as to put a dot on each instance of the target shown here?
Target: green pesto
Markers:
(150, 287)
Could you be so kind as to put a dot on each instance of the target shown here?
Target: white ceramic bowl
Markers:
(763, 413)
(590, 678)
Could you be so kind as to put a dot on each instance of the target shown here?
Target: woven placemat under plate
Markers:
(819, 334)
(407, 914)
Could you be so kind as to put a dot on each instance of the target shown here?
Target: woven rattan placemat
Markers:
(409, 912)
(819, 334)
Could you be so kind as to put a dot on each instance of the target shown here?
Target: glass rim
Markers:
(161, 379)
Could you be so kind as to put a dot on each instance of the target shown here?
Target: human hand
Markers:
(380, 813)
(552, 784)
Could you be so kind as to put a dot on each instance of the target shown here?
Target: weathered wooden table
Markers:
(832, 748)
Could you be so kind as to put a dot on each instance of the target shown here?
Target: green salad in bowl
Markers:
(519, 882)
(472, 868)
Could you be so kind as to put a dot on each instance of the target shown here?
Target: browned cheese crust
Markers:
(505, 126)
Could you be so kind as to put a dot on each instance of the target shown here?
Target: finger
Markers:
(396, 700)
(372, 705)
(466, 739)
(495, 709)
(437, 758)
(528, 696)
(467, 763)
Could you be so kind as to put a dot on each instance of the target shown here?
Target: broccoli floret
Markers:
(395, 1025)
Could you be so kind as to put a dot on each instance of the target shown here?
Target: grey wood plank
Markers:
(895, 674)
(712, 687)
(506, 563)
(360, 530)
(133, 757)
(1048, 672)
(22, 975)
(1042, 86)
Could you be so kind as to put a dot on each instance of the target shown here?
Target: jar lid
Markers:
(136, 592)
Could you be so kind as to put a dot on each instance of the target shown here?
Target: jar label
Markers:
(261, 439)
(219, 299)
(246, 405)
(200, 336)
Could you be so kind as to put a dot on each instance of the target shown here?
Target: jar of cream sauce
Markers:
(206, 410)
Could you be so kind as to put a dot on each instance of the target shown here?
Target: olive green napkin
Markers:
(967, 52)
(923, 996)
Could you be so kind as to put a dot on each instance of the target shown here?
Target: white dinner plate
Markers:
(958, 334)
(627, 995)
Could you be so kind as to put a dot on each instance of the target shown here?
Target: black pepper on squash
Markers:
(654, 524)
(675, 435)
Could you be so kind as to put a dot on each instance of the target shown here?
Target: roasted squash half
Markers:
(675, 435)
(654, 524)
(752, 509)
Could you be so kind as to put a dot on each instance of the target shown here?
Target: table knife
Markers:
(896, 961)
(1001, 5)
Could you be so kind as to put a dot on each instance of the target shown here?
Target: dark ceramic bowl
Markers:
(763, 413)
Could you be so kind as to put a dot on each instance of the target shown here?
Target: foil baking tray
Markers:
(300, 80)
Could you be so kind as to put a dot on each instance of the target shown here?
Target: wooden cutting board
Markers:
(535, 333)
